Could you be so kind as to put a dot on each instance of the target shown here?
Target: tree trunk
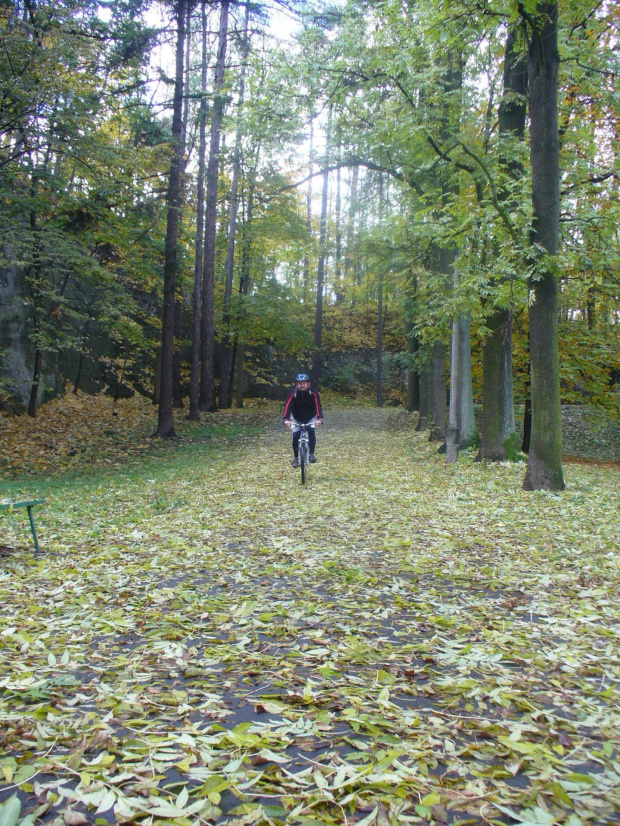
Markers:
(194, 384)
(456, 430)
(413, 345)
(426, 389)
(244, 289)
(465, 412)
(461, 392)
(157, 376)
(240, 374)
(318, 321)
(527, 419)
(338, 233)
(177, 389)
(306, 281)
(350, 242)
(119, 379)
(438, 392)
(225, 361)
(78, 377)
(380, 308)
(461, 431)
(544, 466)
(512, 109)
(413, 373)
(452, 430)
(498, 419)
(380, 343)
(207, 333)
(165, 425)
(362, 222)
(35, 272)
(36, 381)
(590, 310)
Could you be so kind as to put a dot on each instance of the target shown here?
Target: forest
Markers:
(415, 201)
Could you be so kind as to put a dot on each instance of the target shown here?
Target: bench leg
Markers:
(34, 530)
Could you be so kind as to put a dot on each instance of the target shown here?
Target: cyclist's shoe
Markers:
(295, 462)
(313, 458)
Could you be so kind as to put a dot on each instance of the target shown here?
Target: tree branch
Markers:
(446, 157)
(400, 176)
(500, 209)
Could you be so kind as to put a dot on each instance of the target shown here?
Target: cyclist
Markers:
(303, 405)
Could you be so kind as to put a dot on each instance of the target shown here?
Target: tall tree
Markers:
(177, 387)
(207, 333)
(461, 424)
(379, 376)
(544, 466)
(498, 421)
(461, 429)
(350, 254)
(244, 286)
(438, 388)
(165, 423)
(194, 384)
(426, 392)
(413, 345)
(338, 229)
(225, 360)
(317, 357)
(306, 271)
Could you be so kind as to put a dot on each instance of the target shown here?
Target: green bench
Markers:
(29, 505)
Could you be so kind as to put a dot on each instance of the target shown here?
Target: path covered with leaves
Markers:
(401, 641)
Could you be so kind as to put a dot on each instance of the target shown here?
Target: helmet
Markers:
(303, 377)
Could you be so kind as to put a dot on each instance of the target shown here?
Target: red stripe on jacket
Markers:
(288, 403)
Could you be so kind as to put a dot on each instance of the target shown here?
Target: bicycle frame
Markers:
(303, 450)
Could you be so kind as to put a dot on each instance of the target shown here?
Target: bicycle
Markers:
(303, 447)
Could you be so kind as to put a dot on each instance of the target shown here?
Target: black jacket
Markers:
(303, 406)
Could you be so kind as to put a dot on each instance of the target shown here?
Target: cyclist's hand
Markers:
(287, 423)
(318, 422)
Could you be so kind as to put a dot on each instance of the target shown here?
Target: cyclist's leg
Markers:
(312, 439)
(296, 441)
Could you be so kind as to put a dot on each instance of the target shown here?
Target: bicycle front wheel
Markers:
(303, 462)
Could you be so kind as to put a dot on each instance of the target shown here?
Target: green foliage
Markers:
(512, 446)
(448, 162)
(414, 91)
(74, 214)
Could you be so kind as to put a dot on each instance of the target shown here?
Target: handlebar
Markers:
(295, 426)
